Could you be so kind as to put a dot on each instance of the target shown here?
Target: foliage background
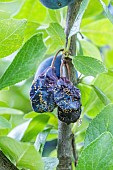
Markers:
(29, 33)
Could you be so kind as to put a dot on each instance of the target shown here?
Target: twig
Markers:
(74, 150)
(53, 62)
(71, 15)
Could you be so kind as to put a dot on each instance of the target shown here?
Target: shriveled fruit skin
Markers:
(56, 4)
(49, 90)
(67, 98)
(42, 91)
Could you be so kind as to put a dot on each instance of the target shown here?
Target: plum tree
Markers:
(56, 4)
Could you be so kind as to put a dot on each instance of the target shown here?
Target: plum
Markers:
(42, 91)
(67, 98)
(56, 4)
(47, 63)
(50, 90)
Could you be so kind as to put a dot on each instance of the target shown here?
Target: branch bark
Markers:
(71, 15)
(5, 164)
(65, 140)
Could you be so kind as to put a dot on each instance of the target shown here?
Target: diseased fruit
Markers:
(42, 91)
(56, 4)
(67, 98)
(71, 117)
(49, 90)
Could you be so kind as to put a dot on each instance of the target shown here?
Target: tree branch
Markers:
(65, 150)
(71, 15)
(5, 164)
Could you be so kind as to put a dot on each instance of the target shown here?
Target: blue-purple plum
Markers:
(47, 63)
(56, 4)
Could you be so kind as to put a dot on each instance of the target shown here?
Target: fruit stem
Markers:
(68, 70)
(53, 62)
(64, 63)
(61, 69)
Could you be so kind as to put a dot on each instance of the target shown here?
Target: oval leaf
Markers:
(88, 66)
(102, 123)
(50, 163)
(98, 155)
(25, 63)
(23, 155)
(18, 132)
(4, 123)
(6, 110)
(36, 126)
(101, 95)
(107, 12)
(41, 140)
(11, 35)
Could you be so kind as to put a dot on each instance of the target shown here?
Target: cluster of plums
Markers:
(49, 91)
(56, 4)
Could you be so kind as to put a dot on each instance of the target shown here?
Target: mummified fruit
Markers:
(56, 4)
(42, 91)
(67, 98)
(69, 117)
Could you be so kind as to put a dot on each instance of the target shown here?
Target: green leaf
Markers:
(103, 122)
(33, 11)
(6, 0)
(109, 59)
(53, 121)
(56, 32)
(8, 9)
(88, 66)
(76, 26)
(31, 29)
(23, 155)
(98, 155)
(25, 63)
(53, 15)
(55, 39)
(50, 163)
(99, 36)
(107, 12)
(18, 132)
(37, 125)
(94, 8)
(101, 95)
(89, 49)
(111, 2)
(11, 35)
(31, 159)
(41, 140)
(31, 115)
(94, 105)
(3, 104)
(85, 92)
(6, 110)
(4, 123)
